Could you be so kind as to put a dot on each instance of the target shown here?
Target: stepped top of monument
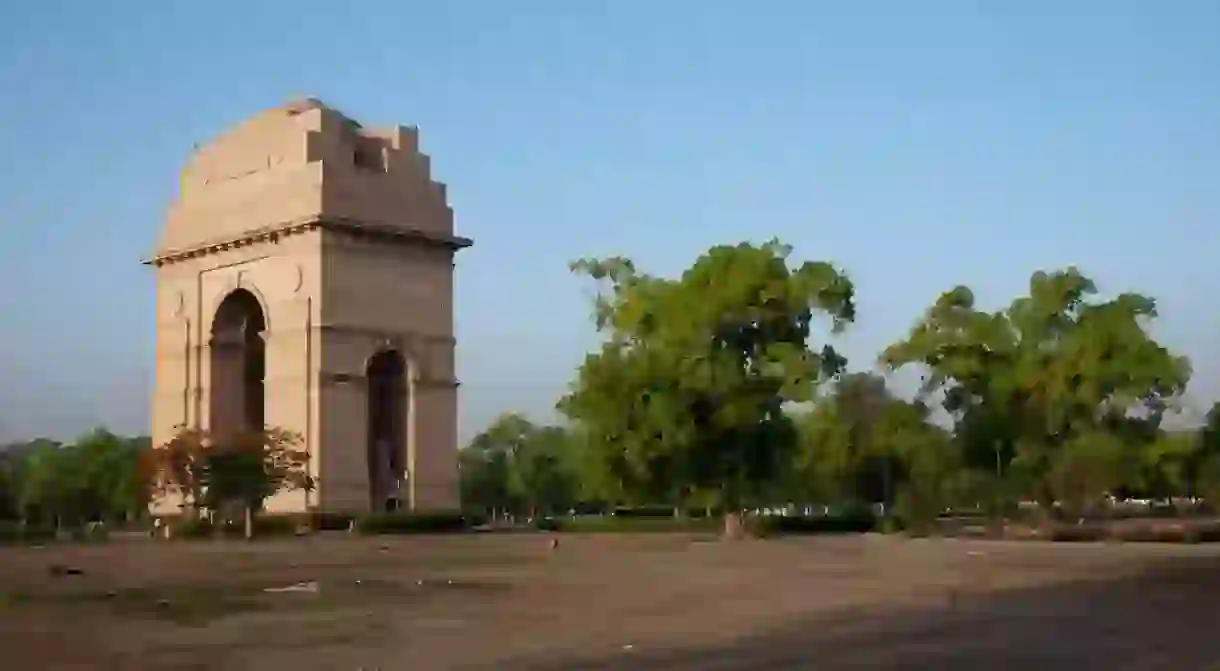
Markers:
(305, 163)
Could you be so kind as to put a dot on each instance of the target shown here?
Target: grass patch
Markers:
(197, 605)
(181, 605)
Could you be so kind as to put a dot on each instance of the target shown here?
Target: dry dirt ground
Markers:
(644, 602)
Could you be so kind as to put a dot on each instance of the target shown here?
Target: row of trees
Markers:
(711, 389)
(111, 478)
(859, 444)
(98, 477)
(719, 389)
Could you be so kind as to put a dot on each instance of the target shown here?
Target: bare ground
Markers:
(600, 602)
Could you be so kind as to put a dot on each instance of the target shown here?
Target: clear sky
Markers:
(919, 145)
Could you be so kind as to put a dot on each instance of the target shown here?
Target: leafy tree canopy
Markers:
(1031, 385)
(688, 390)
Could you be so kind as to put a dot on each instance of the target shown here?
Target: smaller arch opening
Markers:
(238, 365)
(386, 447)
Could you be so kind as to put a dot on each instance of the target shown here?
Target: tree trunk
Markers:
(249, 515)
(734, 526)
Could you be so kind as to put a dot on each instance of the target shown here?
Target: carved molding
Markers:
(371, 231)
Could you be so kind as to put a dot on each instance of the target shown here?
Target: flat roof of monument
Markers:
(213, 210)
(301, 105)
(293, 107)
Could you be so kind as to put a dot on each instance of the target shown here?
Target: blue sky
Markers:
(919, 145)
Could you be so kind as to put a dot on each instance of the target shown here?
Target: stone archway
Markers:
(308, 255)
(386, 435)
(238, 365)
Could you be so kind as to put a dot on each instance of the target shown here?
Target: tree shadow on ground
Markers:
(1164, 618)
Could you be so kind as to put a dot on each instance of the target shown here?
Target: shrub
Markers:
(1149, 533)
(476, 519)
(322, 521)
(546, 524)
(412, 523)
(189, 527)
(1208, 533)
(1081, 533)
(15, 533)
(846, 522)
(1161, 531)
(636, 524)
(648, 511)
(264, 526)
(275, 525)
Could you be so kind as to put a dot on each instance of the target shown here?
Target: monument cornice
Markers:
(381, 232)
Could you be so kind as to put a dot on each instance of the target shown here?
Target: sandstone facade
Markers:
(305, 281)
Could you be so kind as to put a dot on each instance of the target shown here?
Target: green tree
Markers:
(861, 443)
(1055, 367)
(1087, 467)
(113, 484)
(485, 481)
(9, 501)
(1166, 466)
(1204, 458)
(922, 473)
(876, 426)
(486, 464)
(518, 466)
(542, 477)
(48, 483)
(824, 464)
(12, 457)
(242, 469)
(99, 477)
(688, 391)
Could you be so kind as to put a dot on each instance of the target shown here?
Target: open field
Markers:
(646, 602)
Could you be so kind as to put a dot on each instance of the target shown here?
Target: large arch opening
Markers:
(238, 365)
(386, 448)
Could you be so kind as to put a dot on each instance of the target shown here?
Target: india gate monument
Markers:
(305, 281)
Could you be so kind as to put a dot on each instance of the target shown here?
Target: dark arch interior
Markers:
(386, 448)
(239, 365)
